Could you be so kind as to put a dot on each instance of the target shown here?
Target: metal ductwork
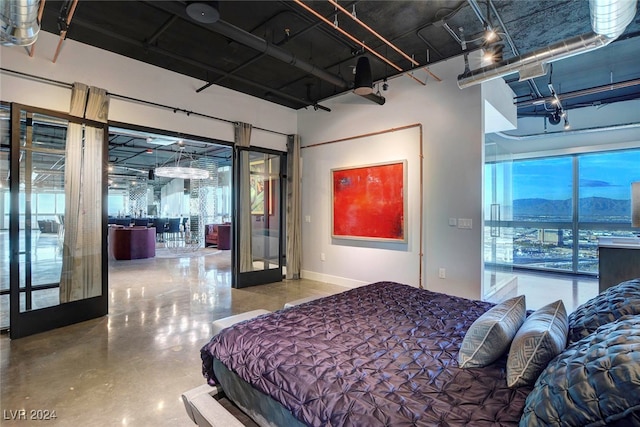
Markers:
(19, 22)
(239, 35)
(609, 19)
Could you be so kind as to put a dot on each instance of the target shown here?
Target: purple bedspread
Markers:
(382, 354)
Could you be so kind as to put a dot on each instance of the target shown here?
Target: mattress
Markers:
(381, 354)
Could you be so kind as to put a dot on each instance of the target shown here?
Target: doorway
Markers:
(57, 221)
(258, 235)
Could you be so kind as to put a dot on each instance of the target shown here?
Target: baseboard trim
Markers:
(334, 280)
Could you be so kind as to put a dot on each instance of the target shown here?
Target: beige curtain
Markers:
(81, 275)
(294, 208)
(242, 138)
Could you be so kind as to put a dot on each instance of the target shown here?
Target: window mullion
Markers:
(575, 217)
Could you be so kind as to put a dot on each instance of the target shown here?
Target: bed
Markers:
(391, 354)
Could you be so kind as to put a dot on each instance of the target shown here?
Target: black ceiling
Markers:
(277, 50)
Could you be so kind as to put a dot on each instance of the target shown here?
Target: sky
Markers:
(601, 175)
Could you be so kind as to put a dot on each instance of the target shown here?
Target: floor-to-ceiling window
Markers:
(561, 205)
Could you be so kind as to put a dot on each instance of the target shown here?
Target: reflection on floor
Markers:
(541, 288)
(130, 367)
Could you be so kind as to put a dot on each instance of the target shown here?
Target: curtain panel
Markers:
(242, 138)
(81, 275)
(294, 208)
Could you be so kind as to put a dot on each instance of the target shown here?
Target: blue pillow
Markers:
(594, 382)
(541, 338)
(617, 301)
(490, 335)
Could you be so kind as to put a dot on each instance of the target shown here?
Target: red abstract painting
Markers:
(369, 202)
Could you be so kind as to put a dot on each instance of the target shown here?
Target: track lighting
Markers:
(493, 53)
(489, 34)
(555, 117)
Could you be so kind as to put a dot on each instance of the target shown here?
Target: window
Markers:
(542, 189)
(558, 208)
(605, 185)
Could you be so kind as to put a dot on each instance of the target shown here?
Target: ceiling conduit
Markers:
(586, 131)
(19, 22)
(237, 34)
(250, 40)
(609, 19)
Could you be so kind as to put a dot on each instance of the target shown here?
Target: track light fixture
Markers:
(363, 81)
(493, 53)
(556, 116)
(489, 34)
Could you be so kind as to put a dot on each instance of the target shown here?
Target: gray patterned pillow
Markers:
(490, 335)
(617, 301)
(541, 338)
(593, 382)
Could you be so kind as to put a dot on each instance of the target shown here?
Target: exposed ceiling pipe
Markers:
(503, 32)
(19, 22)
(65, 26)
(237, 34)
(586, 131)
(579, 93)
(32, 51)
(609, 19)
(381, 38)
(355, 40)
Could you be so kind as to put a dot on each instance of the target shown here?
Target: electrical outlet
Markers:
(307, 218)
(322, 257)
(442, 273)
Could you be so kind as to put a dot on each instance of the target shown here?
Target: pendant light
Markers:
(363, 82)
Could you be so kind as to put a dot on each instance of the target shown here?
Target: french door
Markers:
(57, 220)
(257, 250)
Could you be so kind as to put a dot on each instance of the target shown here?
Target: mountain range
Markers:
(590, 208)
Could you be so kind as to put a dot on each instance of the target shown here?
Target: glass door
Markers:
(57, 239)
(499, 280)
(257, 249)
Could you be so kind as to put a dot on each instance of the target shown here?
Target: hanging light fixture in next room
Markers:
(184, 172)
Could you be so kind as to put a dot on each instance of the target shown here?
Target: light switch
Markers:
(453, 222)
(465, 223)
(307, 218)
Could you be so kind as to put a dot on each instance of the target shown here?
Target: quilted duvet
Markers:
(382, 354)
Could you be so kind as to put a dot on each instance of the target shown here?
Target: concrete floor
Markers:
(129, 368)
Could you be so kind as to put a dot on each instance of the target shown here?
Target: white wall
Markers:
(123, 76)
(453, 149)
(452, 140)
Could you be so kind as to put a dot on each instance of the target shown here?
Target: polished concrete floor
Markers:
(129, 368)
